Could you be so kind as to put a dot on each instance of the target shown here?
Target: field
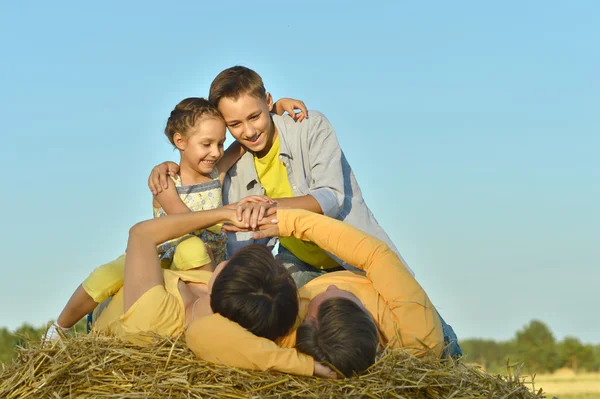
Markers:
(567, 385)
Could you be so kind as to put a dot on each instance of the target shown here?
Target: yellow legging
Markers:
(107, 279)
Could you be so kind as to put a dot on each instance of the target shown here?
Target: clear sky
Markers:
(473, 129)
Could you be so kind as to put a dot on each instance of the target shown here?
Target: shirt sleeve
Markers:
(219, 340)
(325, 157)
(416, 318)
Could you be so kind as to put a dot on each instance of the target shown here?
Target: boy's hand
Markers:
(289, 105)
(250, 213)
(237, 225)
(256, 198)
(158, 179)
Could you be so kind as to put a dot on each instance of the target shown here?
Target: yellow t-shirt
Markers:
(272, 174)
(159, 310)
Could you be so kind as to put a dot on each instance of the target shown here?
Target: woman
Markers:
(251, 288)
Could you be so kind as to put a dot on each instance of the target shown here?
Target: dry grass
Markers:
(102, 367)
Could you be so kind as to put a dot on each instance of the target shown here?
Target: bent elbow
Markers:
(330, 201)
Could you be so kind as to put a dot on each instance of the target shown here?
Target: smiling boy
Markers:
(299, 164)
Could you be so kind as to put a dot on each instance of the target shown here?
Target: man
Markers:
(346, 317)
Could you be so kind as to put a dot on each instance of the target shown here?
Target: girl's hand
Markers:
(232, 224)
(158, 179)
(289, 105)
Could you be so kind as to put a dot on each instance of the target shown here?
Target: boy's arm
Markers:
(142, 267)
(170, 201)
(159, 176)
(325, 157)
(327, 184)
(219, 340)
(416, 317)
(306, 202)
(232, 154)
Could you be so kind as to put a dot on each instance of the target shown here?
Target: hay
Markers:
(104, 367)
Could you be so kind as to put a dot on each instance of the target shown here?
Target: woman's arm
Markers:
(142, 266)
(219, 340)
(410, 306)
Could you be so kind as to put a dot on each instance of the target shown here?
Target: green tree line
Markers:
(535, 347)
(10, 340)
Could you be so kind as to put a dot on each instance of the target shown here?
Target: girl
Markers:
(197, 129)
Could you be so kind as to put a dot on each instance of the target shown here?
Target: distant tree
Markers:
(536, 347)
(7, 344)
(596, 362)
(492, 355)
(575, 355)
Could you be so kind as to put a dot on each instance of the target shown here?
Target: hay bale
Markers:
(104, 367)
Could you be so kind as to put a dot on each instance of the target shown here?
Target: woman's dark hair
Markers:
(256, 291)
(343, 335)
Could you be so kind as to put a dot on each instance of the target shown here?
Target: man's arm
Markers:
(219, 340)
(416, 317)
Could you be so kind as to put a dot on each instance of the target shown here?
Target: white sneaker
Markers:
(54, 333)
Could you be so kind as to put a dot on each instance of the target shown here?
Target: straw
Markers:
(104, 367)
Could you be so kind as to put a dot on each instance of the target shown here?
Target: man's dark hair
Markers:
(256, 291)
(343, 335)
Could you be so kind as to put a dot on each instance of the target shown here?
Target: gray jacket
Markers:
(316, 166)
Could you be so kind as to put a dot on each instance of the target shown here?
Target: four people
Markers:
(356, 294)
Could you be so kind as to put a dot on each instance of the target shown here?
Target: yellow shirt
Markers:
(272, 174)
(393, 297)
(160, 310)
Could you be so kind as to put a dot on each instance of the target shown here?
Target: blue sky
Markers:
(473, 129)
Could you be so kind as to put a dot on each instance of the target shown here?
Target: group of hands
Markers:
(256, 213)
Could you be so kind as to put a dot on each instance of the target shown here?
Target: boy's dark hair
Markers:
(235, 81)
(257, 292)
(187, 113)
(343, 335)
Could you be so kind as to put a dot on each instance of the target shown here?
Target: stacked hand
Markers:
(255, 213)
